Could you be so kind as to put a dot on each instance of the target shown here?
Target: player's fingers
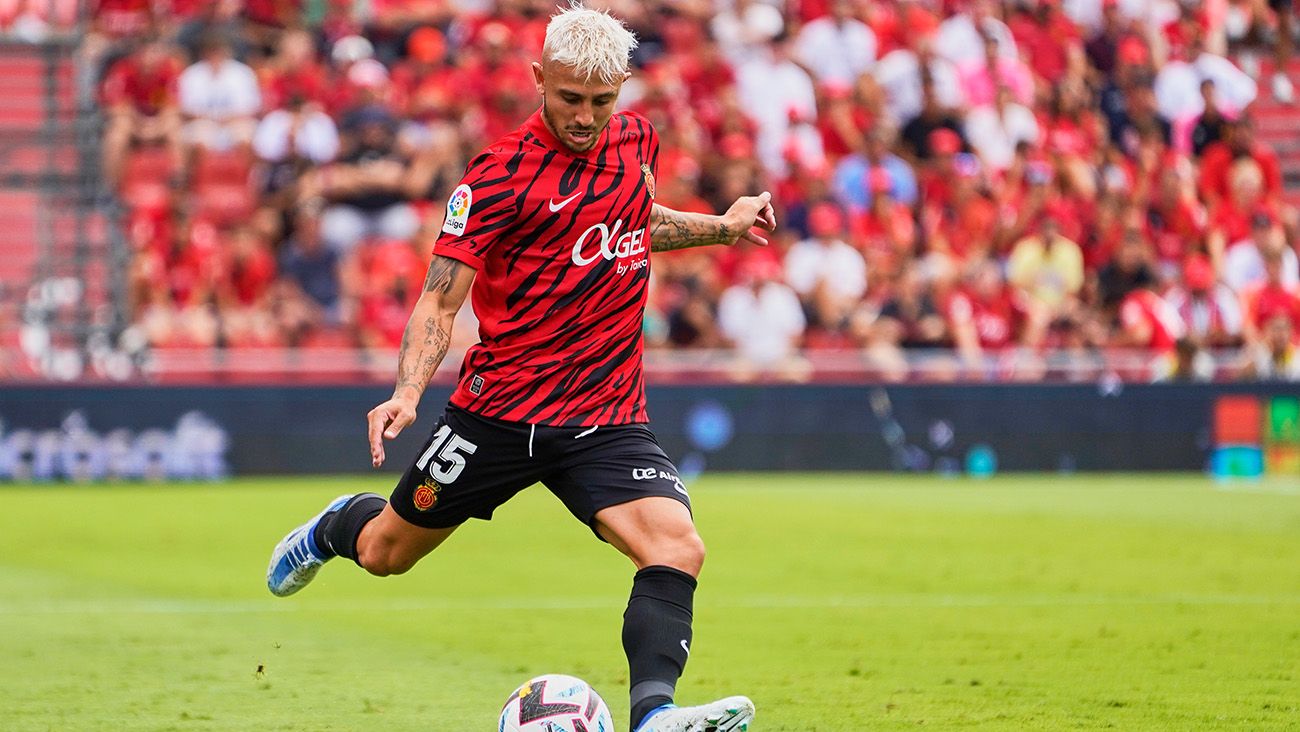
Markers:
(768, 217)
(401, 420)
(751, 237)
(375, 422)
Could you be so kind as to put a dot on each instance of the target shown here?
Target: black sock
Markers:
(337, 532)
(657, 636)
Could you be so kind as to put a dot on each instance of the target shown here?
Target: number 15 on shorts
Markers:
(445, 458)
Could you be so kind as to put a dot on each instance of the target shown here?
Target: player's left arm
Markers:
(671, 229)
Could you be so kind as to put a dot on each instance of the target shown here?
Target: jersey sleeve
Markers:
(479, 211)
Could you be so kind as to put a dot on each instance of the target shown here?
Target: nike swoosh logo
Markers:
(557, 206)
(686, 648)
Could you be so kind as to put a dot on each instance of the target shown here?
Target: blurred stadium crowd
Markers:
(988, 181)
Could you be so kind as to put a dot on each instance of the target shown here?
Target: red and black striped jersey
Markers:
(563, 257)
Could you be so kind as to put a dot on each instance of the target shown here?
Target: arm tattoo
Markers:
(671, 229)
(425, 344)
(421, 353)
(442, 273)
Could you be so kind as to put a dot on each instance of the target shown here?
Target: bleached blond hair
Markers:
(592, 42)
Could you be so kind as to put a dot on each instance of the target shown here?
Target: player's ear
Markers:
(539, 78)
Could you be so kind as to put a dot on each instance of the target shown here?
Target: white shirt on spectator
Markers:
(836, 53)
(1243, 267)
(899, 77)
(315, 137)
(1178, 86)
(770, 89)
(1220, 304)
(220, 94)
(764, 325)
(1087, 13)
(813, 261)
(959, 41)
(995, 135)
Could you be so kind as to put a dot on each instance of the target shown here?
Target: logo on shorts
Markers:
(653, 473)
(476, 385)
(649, 179)
(458, 210)
(426, 496)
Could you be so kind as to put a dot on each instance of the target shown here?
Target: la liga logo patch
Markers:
(426, 496)
(458, 207)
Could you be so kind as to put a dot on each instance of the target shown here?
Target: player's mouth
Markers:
(581, 138)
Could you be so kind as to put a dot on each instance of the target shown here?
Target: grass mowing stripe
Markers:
(117, 606)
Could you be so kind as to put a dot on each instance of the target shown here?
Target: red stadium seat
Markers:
(224, 204)
(222, 168)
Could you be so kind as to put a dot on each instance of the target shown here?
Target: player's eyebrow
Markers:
(574, 95)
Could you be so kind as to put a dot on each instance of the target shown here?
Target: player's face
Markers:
(575, 109)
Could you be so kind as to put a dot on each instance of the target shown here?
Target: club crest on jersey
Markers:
(426, 496)
(458, 210)
(649, 179)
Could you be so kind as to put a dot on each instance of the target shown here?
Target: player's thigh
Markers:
(621, 484)
(465, 469)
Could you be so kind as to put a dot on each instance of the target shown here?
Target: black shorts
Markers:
(470, 465)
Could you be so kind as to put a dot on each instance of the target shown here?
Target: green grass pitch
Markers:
(838, 602)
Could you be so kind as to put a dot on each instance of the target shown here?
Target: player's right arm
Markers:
(424, 346)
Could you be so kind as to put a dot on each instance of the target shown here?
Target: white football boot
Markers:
(733, 714)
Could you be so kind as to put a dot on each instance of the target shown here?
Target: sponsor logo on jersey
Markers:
(606, 242)
(426, 496)
(649, 179)
(458, 210)
(476, 385)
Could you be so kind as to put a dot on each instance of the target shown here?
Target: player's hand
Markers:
(749, 213)
(386, 422)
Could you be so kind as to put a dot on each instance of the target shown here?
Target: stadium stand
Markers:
(967, 188)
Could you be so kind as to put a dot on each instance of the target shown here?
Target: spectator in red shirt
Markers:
(140, 102)
(424, 84)
(1239, 143)
(1149, 321)
(1273, 299)
(392, 273)
(1232, 217)
(966, 228)
(986, 315)
(887, 230)
(1047, 37)
(294, 72)
(1211, 311)
(1176, 220)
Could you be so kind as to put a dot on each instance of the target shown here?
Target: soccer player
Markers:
(553, 224)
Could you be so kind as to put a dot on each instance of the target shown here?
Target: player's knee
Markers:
(384, 559)
(682, 550)
(383, 565)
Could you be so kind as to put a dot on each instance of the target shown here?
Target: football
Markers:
(555, 703)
